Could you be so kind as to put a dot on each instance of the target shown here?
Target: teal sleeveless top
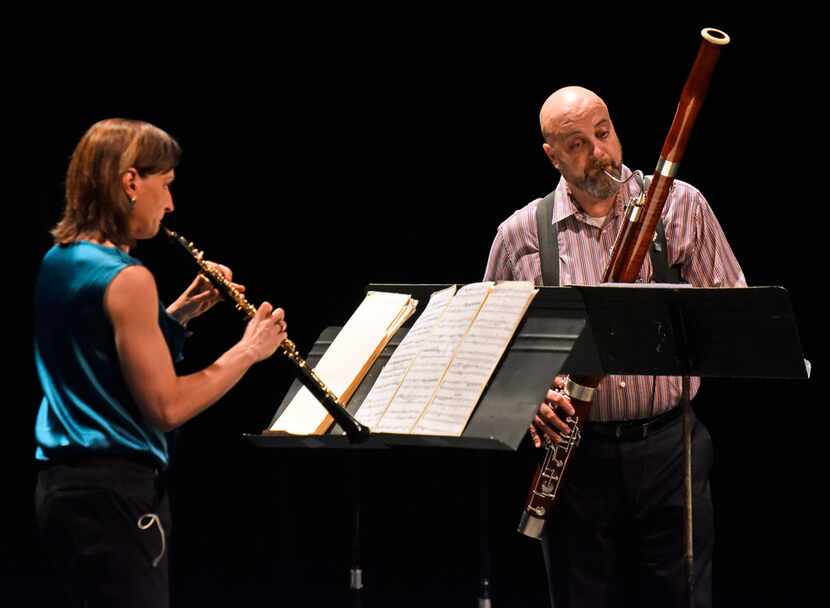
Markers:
(87, 407)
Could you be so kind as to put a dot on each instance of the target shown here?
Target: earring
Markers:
(132, 203)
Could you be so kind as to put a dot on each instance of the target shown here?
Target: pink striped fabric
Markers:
(695, 241)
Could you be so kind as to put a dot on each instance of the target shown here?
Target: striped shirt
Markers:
(696, 244)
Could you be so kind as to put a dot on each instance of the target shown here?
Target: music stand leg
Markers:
(687, 482)
(356, 572)
(484, 600)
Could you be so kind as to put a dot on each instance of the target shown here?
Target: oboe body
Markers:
(304, 373)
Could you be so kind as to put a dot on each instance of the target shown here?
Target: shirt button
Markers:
(622, 383)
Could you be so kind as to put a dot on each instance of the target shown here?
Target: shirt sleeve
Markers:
(705, 255)
(499, 267)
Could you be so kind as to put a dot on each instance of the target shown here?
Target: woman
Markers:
(104, 350)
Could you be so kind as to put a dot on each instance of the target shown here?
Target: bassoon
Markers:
(630, 248)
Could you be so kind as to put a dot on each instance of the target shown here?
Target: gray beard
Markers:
(600, 186)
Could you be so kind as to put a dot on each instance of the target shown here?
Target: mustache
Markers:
(606, 167)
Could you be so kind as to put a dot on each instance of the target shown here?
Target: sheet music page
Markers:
(351, 352)
(429, 367)
(393, 373)
(476, 359)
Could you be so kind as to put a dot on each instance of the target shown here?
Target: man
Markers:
(622, 504)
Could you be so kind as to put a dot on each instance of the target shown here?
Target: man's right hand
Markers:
(551, 414)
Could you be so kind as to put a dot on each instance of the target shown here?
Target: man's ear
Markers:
(551, 155)
(129, 182)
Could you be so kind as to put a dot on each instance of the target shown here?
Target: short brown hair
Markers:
(95, 200)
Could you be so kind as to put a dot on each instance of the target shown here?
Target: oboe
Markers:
(630, 248)
(355, 431)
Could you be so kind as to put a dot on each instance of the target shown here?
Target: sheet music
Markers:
(393, 373)
(429, 368)
(366, 331)
(476, 359)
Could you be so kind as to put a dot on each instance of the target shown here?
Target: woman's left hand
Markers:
(200, 296)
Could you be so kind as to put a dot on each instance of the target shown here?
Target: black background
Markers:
(320, 157)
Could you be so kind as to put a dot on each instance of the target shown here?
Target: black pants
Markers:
(617, 537)
(88, 513)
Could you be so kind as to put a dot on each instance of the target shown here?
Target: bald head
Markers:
(565, 107)
(581, 143)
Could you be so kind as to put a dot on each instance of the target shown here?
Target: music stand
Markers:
(672, 330)
(541, 344)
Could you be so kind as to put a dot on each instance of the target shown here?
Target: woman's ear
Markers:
(129, 182)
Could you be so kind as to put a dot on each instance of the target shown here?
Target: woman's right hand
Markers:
(265, 331)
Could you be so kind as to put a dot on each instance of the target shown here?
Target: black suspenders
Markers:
(549, 248)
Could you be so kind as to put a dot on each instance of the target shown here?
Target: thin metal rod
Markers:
(687, 498)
